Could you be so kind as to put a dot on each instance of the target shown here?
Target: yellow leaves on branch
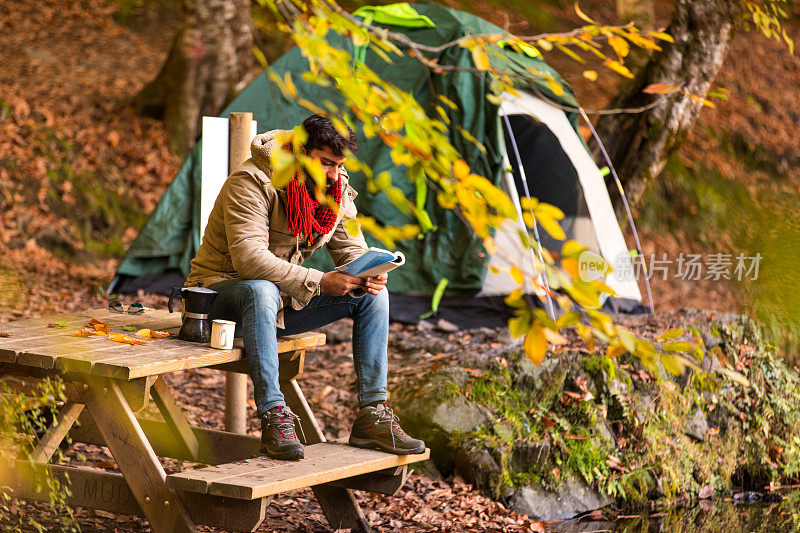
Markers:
(583, 16)
(659, 88)
(618, 67)
(536, 339)
(535, 344)
(662, 88)
(661, 36)
(516, 273)
(480, 58)
(620, 45)
(460, 169)
(546, 215)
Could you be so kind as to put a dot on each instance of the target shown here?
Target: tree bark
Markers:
(209, 57)
(639, 144)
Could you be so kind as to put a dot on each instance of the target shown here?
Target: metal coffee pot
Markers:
(197, 302)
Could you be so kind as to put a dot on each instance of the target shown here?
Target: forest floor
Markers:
(80, 171)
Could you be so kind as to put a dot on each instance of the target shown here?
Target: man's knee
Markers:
(376, 303)
(262, 294)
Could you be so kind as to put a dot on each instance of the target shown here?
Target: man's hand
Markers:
(374, 284)
(334, 283)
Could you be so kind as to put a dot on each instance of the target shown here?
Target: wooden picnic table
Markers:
(107, 383)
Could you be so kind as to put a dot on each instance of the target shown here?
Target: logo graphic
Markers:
(592, 267)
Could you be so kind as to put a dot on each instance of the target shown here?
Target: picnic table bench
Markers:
(107, 383)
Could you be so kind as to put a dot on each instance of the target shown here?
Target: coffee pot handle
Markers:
(172, 295)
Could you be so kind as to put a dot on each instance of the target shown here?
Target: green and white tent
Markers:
(534, 134)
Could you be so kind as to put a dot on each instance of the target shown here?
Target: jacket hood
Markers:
(263, 146)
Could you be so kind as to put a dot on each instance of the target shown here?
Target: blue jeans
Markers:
(253, 305)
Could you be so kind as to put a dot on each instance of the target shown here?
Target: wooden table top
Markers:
(34, 344)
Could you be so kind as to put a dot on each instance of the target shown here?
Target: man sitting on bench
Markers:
(255, 241)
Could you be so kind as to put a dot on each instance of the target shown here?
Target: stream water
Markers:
(710, 516)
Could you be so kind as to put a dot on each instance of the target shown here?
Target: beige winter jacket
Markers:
(247, 235)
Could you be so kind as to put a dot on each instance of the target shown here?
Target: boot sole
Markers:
(371, 444)
(290, 455)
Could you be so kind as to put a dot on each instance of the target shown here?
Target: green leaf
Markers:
(677, 347)
(673, 365)
(735, 377)
(568, 319)
(129, 328)
(437, 298)
(671, 334)
(519, 324)
(570, 53)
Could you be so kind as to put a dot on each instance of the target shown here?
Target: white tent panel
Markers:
(214, 163)
(606, 227)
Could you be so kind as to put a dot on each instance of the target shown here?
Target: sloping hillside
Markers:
(79, 170)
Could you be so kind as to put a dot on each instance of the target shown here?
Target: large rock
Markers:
(434, 411)
(696, 425)
(572, 498)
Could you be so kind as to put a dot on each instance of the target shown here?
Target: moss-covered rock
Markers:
(584, 429)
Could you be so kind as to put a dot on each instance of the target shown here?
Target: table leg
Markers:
(174, 417)
(297, 403)
(339, 504)
(49, 442)
(135, 457)
(236, 403)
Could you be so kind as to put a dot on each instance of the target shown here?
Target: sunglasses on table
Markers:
(133, 309)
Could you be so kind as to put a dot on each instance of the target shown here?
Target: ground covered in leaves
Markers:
(423, 504)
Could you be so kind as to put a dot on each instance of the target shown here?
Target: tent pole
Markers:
(624, 202)
(542, 274)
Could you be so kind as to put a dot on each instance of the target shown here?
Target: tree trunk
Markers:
(210, 55)
(639, 144)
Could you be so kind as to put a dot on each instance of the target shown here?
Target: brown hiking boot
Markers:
(377, 427)
(278, 439)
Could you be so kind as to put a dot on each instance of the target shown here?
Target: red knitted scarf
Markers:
(306, 215)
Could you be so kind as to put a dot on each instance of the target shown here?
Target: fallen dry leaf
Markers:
(4, 334)
(87, 332)
(152, 333)
(119, 337)
(98, 325)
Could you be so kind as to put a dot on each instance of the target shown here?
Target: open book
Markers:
(375, 261)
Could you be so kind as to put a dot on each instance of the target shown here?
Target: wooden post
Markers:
(239, 127)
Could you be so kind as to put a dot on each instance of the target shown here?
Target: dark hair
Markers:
(322, 133)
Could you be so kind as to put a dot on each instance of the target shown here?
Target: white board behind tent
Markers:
(214, 163)
(608, 234)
